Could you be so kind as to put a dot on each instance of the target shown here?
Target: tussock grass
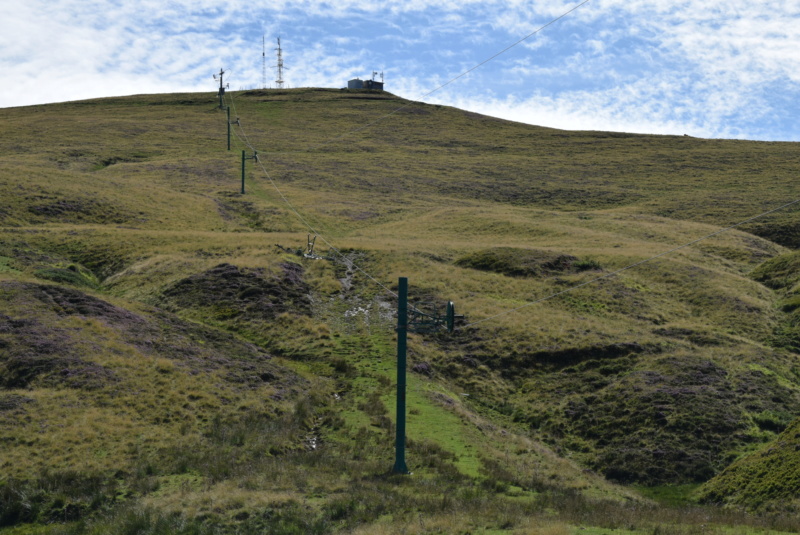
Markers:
(174, 367)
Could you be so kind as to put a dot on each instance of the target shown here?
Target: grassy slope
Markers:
(663, 374)
(768, 479)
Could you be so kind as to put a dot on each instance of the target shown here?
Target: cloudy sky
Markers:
(707, 68)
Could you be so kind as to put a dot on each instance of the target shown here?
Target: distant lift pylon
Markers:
(221, 87)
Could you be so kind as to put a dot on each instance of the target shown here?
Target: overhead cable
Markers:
(442, 86)
(303, 220)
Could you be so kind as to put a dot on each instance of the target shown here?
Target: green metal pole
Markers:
(229, 128)
(242, 171)
(402, 331)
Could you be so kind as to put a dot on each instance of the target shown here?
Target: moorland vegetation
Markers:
(170, 362)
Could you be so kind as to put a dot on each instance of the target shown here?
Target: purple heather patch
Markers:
(37, 347)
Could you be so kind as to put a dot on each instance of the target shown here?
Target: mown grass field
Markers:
(170, 364)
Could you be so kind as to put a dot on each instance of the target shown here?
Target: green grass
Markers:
(764, 481)
(165, 342)
(5, 265)
(675, 495)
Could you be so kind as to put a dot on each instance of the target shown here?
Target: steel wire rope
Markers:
(429, 93)
(239, 141)
(246, 140)
(531, 303)
(242, 139)
(303, 219)
(626, 268)
(442, 86)
(248, 144)
(454, 79)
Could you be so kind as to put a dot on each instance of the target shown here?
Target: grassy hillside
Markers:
(169, 362)
(766, 480)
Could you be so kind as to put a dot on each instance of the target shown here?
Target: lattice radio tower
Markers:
(279, 81)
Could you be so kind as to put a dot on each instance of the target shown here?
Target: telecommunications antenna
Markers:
(279, 81)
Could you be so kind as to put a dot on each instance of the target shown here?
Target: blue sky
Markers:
(707, 68)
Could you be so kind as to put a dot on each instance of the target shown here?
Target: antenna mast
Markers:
(221, 87)
(279, 81)
(263, 63)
